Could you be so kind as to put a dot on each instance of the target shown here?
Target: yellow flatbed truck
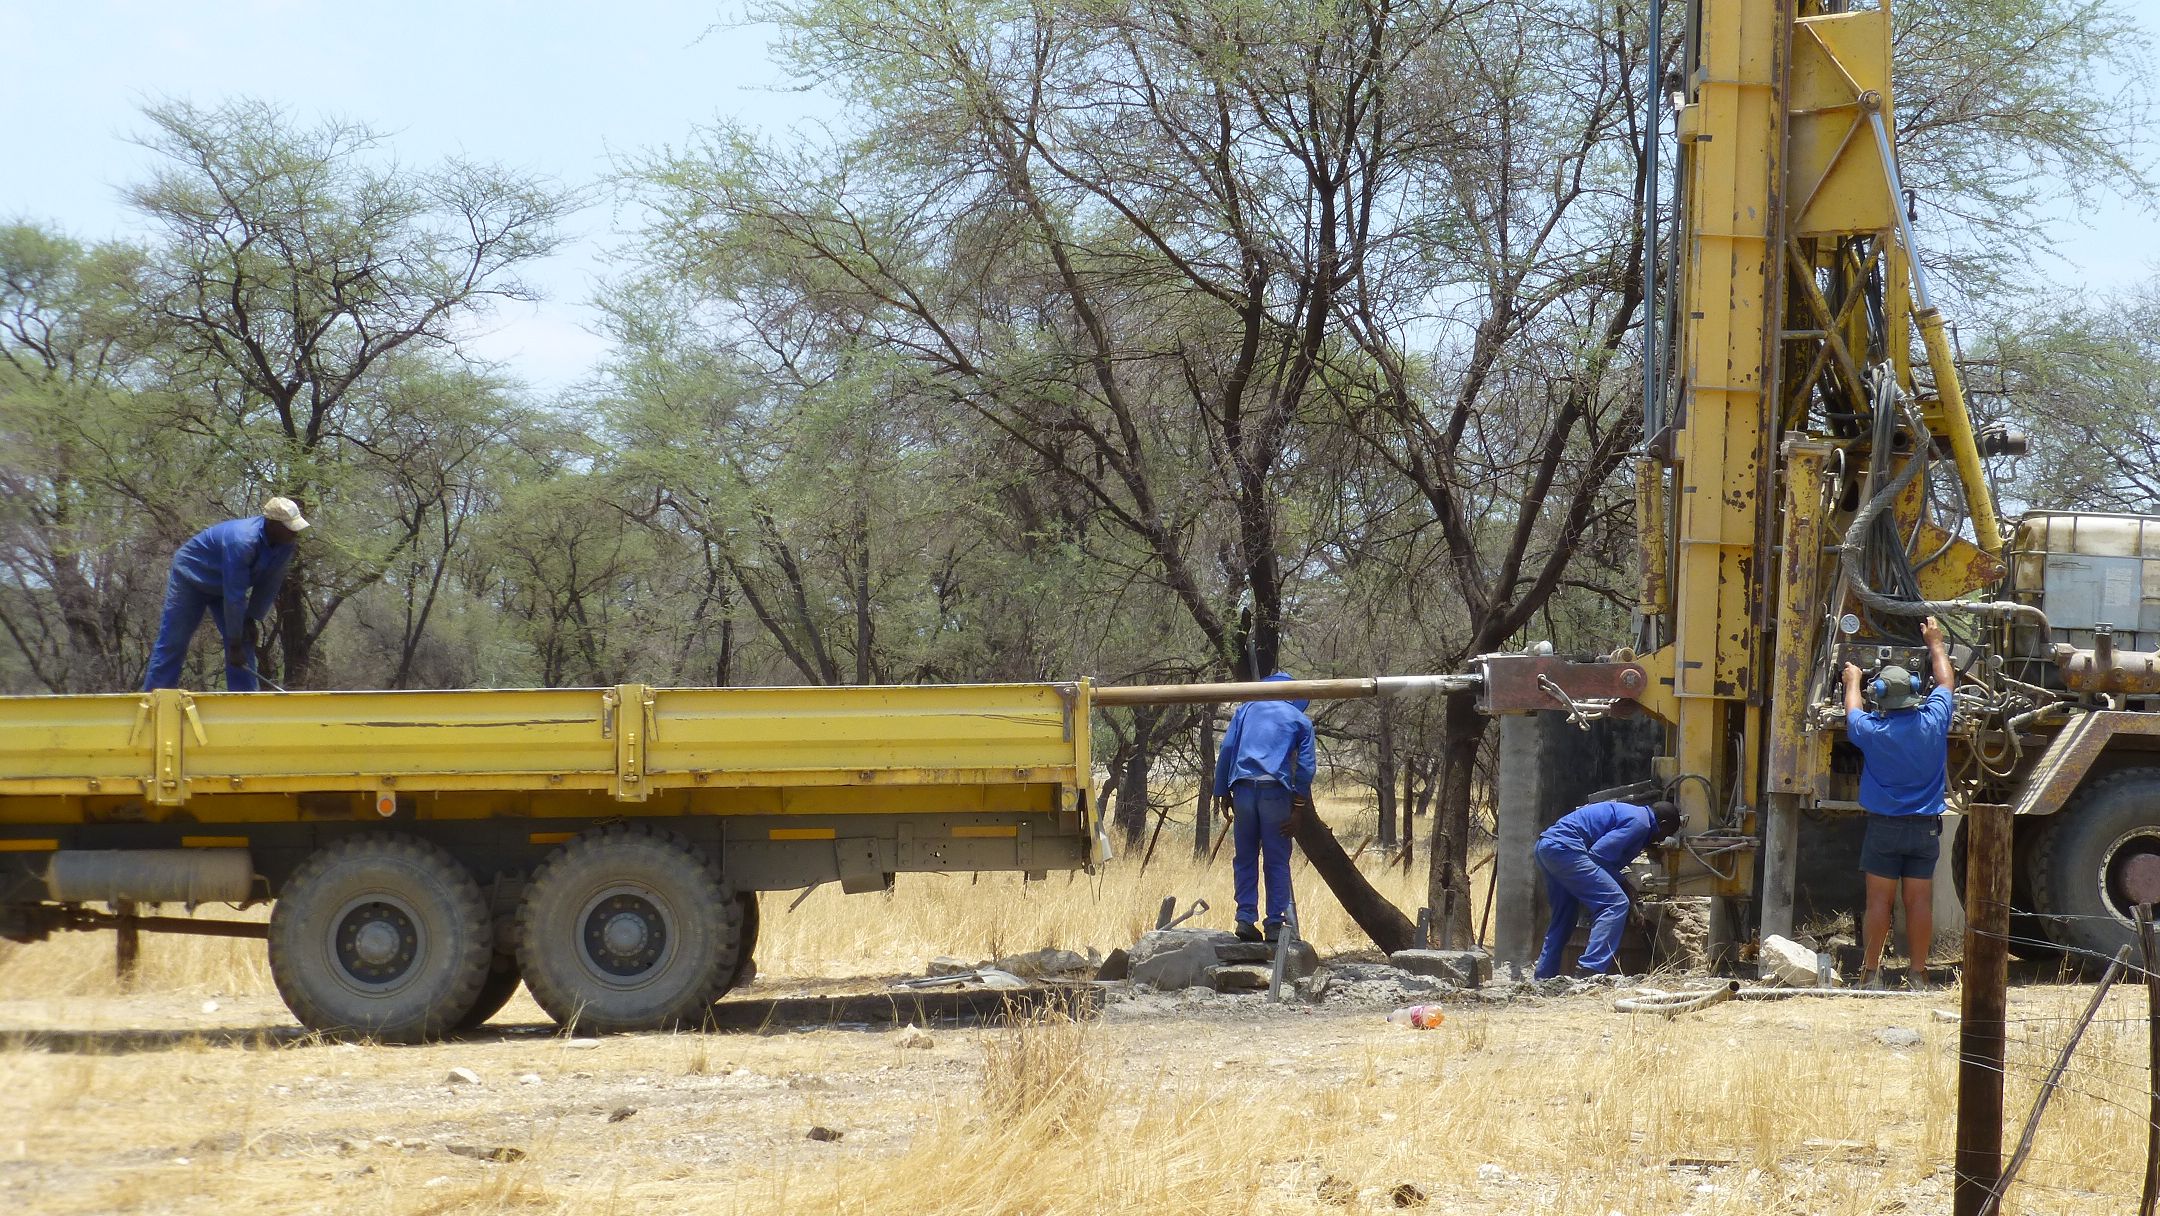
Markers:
(426, 850)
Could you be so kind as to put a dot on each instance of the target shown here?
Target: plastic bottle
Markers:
(1418, 1017)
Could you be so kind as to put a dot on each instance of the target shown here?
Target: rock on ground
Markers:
(946, 964)
(1038, 963)
(1789, 963)
(1239, 977)
(1463, 968)
(916, 1037)
(1170, 959)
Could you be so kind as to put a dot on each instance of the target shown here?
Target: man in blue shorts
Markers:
(1904, 743)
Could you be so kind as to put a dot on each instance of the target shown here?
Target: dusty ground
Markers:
(159, 1103)
(197, 1094)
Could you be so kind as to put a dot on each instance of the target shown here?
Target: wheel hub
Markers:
(625, 934)
(2135, 874)
(377, 942)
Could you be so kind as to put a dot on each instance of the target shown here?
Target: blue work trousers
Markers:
(185, 604)
(1263, 812)
(1574, 880)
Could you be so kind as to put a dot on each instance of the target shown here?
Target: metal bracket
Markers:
(1523, 683)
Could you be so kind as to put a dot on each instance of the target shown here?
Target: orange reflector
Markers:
(1008, 831)
(213, 842)
(549, 837)
(386, 805)
(800, 834)
(28, 846)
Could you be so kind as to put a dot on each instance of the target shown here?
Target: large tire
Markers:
(495, 992)
(746, 955)
(2029, 939)
(2097, 858)
(385, 936)
(628, 928)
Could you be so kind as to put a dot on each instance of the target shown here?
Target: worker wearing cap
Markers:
(1582, 856)
(1904, 745)
(1264, 769)
(231, 570)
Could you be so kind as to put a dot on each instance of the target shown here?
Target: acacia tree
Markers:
(291, 262)
(81, 467)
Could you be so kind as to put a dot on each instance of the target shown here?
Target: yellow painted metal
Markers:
(1951, 418)
(28, 846)
(248, 758)
(991, 831)
(801, 834)
(214, 842)
(1731, 260)
(1798, 756)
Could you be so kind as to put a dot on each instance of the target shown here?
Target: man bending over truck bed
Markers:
(1904, 743)
(232, 571)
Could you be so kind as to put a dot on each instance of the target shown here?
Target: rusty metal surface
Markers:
(1512, 682)
(2073, 754)
(1796, 752)
(2108, 670)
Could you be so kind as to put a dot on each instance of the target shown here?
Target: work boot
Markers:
(1248, 931)
(1274, 930)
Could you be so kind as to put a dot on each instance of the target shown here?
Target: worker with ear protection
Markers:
(1904, 744)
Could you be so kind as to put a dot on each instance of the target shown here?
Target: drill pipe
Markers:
(1283, 690)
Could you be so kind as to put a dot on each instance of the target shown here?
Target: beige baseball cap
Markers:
(285, 511)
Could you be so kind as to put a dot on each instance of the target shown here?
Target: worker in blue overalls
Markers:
(1582, 856)
(232, 571)
(1264, 768)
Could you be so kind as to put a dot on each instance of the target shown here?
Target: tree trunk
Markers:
(1447, 875)
(1382, 921)
(1204, 813)
(1409, 812)
(1132, 777)
(295, 647)
(1384, 777)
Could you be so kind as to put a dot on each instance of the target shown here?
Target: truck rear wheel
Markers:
(745, 955)
(628, 928)
(380, 935)
(495, 992)
(2098, 859)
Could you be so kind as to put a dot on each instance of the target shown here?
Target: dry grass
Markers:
(147, 1103)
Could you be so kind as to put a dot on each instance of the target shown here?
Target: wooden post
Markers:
(1982, 1027)
(127, 943)
(2149, 950)
(1204, 814)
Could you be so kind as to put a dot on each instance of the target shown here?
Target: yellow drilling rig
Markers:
(1812, 486)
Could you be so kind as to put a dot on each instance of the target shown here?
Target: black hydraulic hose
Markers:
(1856, 575)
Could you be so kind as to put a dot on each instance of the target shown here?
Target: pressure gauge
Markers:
(1848, 624)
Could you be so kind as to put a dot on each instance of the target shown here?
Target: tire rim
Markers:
(2130, 872)
(625, 939)
(376, 945)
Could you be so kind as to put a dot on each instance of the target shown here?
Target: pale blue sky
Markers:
(553, 88)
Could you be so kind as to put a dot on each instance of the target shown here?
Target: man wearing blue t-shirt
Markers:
(1904, 743)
